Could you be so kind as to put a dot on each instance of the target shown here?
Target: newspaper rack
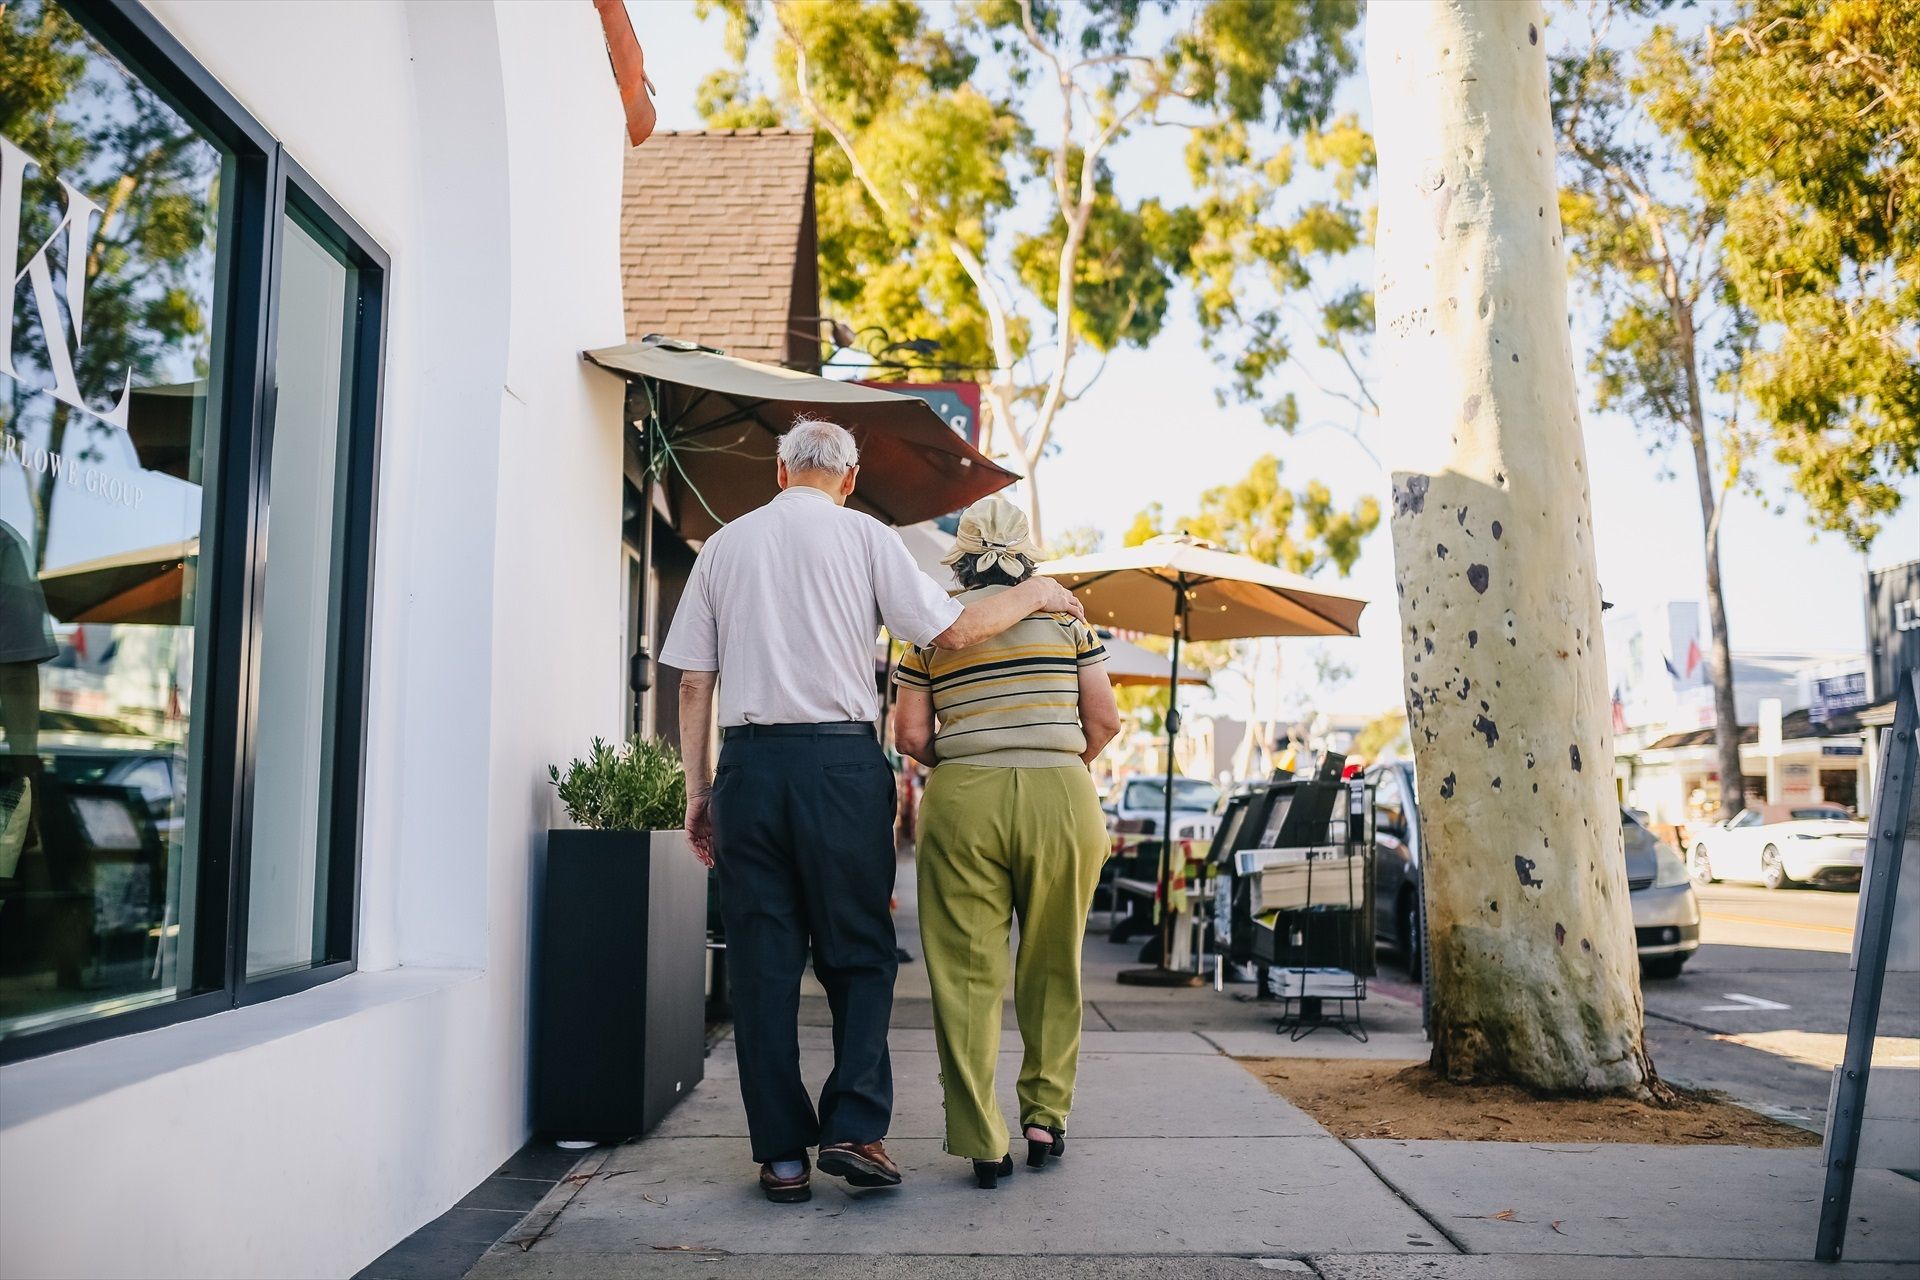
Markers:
(1311, 911)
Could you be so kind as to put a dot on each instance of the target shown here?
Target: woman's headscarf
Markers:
(992, 530)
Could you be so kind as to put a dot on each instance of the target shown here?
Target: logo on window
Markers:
(62, 328)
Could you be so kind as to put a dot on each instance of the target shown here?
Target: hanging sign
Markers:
(1835, 694)
(957, 403)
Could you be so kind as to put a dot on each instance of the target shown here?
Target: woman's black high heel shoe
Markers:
(987, 1173)
(1037, 1152)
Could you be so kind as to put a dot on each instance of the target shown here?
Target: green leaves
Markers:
(635, 786)
(1125, 272)
(1806, 132)
(1300, 531)
(1283, 56)
(942, 162)
(1741, 205)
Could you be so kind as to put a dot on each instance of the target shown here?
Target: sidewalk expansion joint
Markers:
(583, 1173)
(1406, 1199)
(1215, 1043)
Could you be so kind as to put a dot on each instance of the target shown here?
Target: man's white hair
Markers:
(817, 445)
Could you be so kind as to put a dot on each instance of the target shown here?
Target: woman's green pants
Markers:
(996, 843)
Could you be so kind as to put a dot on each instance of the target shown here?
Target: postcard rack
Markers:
(1302, 909)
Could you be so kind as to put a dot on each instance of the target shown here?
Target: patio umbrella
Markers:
(1132, 664)
(1182, 587)
(142, 586)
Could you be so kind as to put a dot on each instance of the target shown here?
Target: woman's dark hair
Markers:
(991, 576)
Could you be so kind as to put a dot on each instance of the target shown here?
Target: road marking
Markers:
(1747, 1004)
(1777, 924)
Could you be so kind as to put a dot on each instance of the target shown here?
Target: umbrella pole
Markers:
(1166, 822)
(640, 664)
(1160, 975)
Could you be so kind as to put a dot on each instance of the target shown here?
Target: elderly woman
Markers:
(1010, 826)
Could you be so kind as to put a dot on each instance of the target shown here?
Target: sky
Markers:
(1150, 430)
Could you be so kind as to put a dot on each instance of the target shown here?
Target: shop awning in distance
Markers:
(1133, 665)
(721, 418)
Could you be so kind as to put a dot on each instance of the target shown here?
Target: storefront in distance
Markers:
(305, 577)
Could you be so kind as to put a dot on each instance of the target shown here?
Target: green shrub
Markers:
(634, 786)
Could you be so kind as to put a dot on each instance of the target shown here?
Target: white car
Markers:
(1781, 845)
(1141, 804)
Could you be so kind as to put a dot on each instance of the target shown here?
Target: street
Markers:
(1760, 1012)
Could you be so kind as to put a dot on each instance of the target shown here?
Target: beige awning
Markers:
(722, 419)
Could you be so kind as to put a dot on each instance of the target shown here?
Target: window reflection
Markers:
(111, 203)
(287, 896)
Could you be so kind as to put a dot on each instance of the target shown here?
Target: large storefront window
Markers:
(183, 540)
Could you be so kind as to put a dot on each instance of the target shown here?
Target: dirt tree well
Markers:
(1534, 971)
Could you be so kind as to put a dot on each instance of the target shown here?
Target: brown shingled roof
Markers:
(717, 240)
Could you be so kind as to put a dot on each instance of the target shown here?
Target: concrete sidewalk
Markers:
(1182, 1163)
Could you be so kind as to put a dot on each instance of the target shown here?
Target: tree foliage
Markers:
(967, 190)
(1385, 734)
(1739, 202)
(1300, 531)
(1078, 540)
(1801, 119)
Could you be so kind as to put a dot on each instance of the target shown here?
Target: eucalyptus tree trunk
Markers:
(1726, 717)
(1534, 974)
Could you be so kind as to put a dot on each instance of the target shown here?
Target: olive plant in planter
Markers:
(620, 947)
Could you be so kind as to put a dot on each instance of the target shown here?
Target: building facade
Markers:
(312, 564)
(1666, 763)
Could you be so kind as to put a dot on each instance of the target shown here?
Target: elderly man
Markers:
(780, 613)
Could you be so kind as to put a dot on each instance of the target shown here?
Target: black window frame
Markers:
(267, 183)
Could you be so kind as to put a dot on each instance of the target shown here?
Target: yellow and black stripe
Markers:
(1013, 700)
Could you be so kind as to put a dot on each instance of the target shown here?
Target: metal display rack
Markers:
(1313, 951)
(1319, 954)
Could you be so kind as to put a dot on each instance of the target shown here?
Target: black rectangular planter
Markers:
(619, 977)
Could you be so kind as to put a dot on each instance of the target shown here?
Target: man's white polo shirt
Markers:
(784, 604)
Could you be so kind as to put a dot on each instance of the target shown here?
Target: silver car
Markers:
(1666, 914)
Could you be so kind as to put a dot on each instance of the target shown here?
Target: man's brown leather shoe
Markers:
(794, 1190)
(862, 1164)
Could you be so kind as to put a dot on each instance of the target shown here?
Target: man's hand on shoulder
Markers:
(1057, 599)
(987, 617)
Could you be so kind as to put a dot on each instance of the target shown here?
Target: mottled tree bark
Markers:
(1535, 975)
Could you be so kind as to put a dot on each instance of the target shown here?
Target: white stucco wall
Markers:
(481, 145)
